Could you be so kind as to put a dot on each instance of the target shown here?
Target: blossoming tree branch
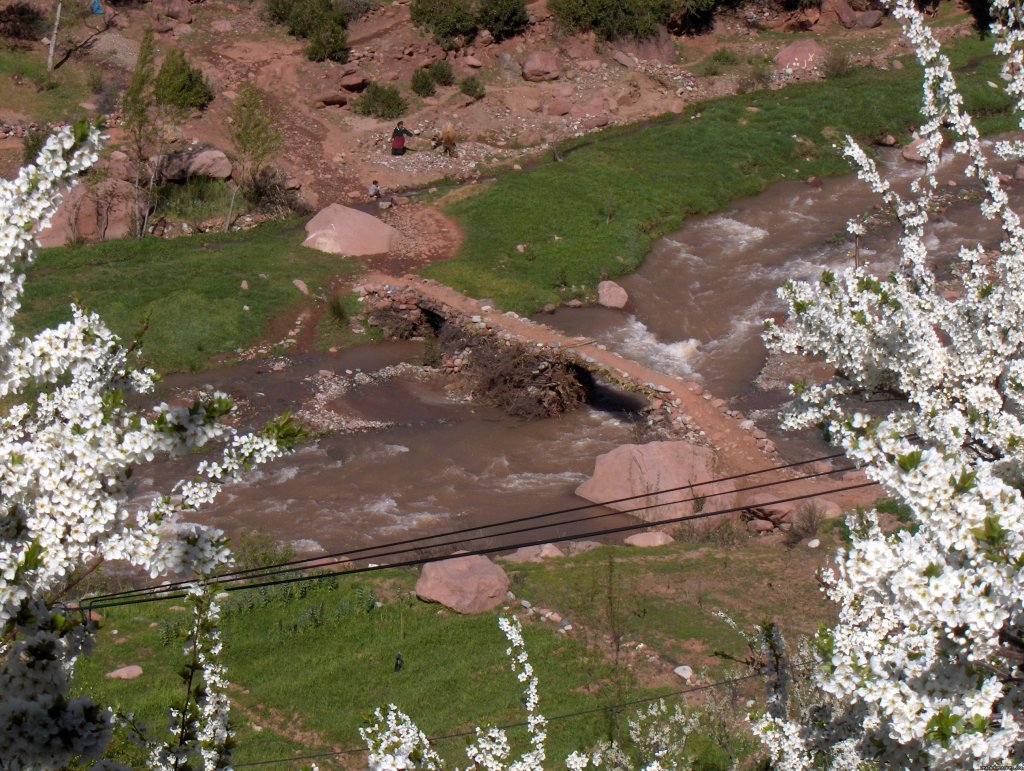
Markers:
(923, 668)
(69, 441)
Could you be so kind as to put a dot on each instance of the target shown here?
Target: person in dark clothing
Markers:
(398, 139)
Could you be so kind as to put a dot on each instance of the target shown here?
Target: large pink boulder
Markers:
(611, 295)
(202, 162)
(470, 584)
(92, 213)
(339, 229)
(129, 672)
(541, 65)
(644, 472)
(803, 54)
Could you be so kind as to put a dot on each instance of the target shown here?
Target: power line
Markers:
(269, 571)
(323, 560)
(523, 723)
(153, 597)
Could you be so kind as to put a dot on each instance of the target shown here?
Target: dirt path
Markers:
(740, 447)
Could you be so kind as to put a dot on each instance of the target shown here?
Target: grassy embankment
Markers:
(190, 286)
(595, 214)
(308, 663)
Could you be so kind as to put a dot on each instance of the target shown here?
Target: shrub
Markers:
(308, 17)
(613, 19)
(725, 56)
(502, 18)
(22, 21)
(423, 83)
(181, 85)
(836, 64)
(472, 87)
(452, 22)
(442, 73)
(328, 43)
(278, 11)
(382, 102)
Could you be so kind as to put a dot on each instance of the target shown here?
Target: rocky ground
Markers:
(541, 87)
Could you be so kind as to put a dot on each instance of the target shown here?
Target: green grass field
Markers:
(595, 214)
(190, 286)
(308, 662)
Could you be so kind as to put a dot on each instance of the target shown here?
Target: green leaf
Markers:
(910, 461)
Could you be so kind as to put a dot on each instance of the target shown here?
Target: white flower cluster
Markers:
(68, 444)
(657, 734)
(924, 666)
(200, 725)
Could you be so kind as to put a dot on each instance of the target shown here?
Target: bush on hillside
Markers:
(278, 11)
(442, 73)
(22, 21)
(612, 19)
(615, 19)
(452, 22)
(329, 43)
(423, 83)
(322, 22)
(181, 85)
(472, 87)
(502, 18)
(379, 101)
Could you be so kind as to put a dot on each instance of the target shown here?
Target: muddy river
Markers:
(439, 463)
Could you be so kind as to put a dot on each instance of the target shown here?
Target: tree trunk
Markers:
(53, 38)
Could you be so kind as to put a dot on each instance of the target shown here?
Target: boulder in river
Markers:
(611, 295)
(647, 471)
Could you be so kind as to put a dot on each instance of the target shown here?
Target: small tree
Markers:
(180, 85)
(452, 22)
(69, 441)
(140, 129)
(925, 666)
(254, 132)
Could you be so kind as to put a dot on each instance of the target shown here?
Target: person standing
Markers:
(398, 138)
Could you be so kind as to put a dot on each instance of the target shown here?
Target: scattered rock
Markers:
(299, 284)
(340, 229)
(870, 19)
(129, 672)
(508, 68)
(611, 295)
(354, 81)
(332, 99)
(685, 672)
(221, 25)
(540, 66)
(847, 16)
(470, 584)
(626, 60)
(814, 543)
(760, 526)
(558, 107)
(535, 553)
(179, 10)
(647, 540)
(472, 61)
